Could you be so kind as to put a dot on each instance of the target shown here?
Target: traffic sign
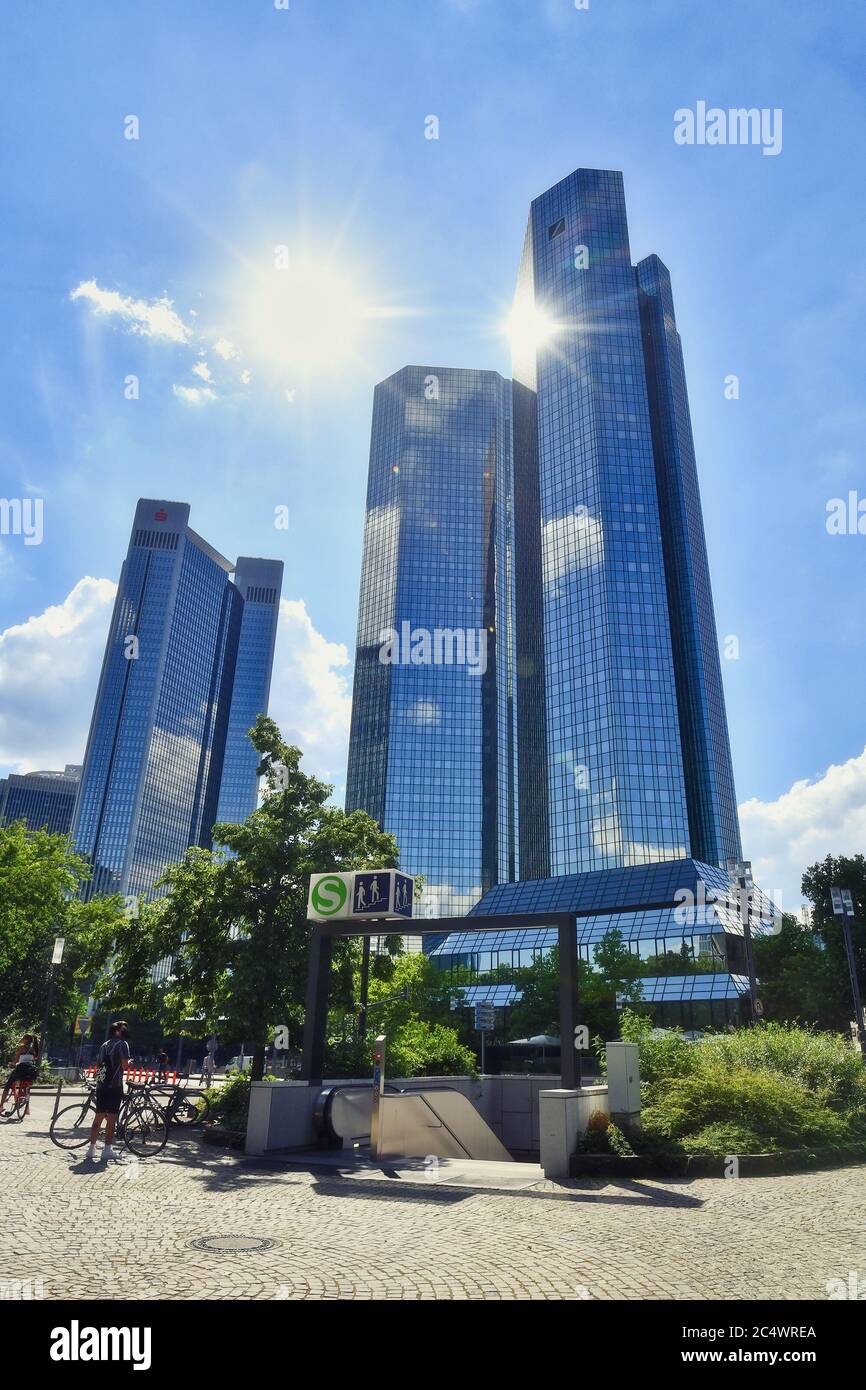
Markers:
(57, 954)
(83, 1023)
(365, 893)
(843, 903)
(485, 1018)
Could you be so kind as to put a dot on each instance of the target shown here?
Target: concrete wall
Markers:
(565, 1116)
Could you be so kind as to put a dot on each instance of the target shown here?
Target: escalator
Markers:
(441, 1121)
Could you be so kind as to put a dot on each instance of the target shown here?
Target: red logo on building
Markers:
(160, 515)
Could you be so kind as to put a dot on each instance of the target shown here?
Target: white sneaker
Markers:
(113, 1153)
(91, 1153)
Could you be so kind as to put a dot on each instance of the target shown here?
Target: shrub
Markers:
(777, 1110)
(825, 1063)
(230, 1103)
(421, 1049)
(667, 1053)
(722, 1139)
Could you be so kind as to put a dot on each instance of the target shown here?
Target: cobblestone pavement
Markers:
(126, 1231)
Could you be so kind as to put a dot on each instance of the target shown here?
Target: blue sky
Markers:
(261, 127)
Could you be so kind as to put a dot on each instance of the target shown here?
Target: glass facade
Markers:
(259, 583)
(616, 635)
(159, 734)
(433, 742)
(563, 514)
(682, 920)
(43, 800)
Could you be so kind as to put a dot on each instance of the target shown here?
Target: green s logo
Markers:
(329, 895)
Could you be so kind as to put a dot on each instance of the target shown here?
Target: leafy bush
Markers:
(661, 1054)
(420, 1049)
(723, 1139)
(777, 1110)
(230, 1103)
(618, 1143)
(602, 1137)
(825, 1063)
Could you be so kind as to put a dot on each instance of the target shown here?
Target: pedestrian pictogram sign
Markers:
(365, 893)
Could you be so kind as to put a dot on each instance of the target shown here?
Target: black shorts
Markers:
(108, 1099)
(23, 1072)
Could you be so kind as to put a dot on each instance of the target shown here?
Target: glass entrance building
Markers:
(186, 669)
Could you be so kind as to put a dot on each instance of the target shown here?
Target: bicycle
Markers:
(17, 1103)
(141, 1123)
(187, 1108)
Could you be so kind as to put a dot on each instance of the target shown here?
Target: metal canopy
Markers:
(319, 974)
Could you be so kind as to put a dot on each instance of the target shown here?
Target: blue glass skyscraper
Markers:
(629, 763)
(433, 743)
(607, 679)
(168, 711)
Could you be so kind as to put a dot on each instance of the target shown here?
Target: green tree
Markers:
(841, 871)
(40, 878)
(235, 925)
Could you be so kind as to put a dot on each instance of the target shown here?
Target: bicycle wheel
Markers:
(70, 1128)
(145, 1130)
(190, 1110)
(10, 1108)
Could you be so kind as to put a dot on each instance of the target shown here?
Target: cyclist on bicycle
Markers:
(25, 1068)
(112, 1061)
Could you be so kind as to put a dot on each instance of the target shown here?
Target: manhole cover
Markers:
(232, 1245)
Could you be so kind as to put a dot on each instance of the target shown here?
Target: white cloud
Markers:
(311, 697)
(194, 395)
(811, 820)
(203, 370)
(156, 319)
(246, 376)
(225, 349)
(49, 668)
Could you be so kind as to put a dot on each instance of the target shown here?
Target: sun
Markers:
(529, 327)
(303, 317)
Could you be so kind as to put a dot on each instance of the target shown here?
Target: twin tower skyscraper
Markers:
(538, 688)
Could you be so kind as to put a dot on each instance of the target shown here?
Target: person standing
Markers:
(207, 1069)
(111, 1062)
(162, 1064)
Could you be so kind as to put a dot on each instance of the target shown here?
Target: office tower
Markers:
(44, 800)
(432, 749)
(259, 583)
(164, 726)
(624, 755)
(627, 813)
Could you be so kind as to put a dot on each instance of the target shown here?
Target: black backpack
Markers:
(102, 1068)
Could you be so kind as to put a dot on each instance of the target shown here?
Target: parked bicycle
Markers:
(141, 1124)
(187, 1108)
(17, 1103)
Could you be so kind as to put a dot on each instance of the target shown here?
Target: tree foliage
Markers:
(40, 878)
(233, 920)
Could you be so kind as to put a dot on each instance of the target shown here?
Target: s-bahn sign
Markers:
(364, 893)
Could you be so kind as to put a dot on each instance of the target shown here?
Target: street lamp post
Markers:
(843, 907)
(741, 873)
(56, 958)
